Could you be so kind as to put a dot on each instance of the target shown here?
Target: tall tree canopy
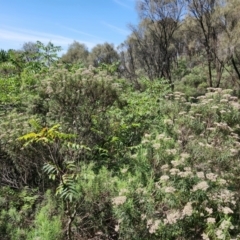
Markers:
(103, 53)
(77, 52)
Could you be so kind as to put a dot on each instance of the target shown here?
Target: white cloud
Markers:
(80, 32)
(116, 29)
(17, 35)
(119, 2)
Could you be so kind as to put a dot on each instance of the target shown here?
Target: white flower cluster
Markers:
(119, 200)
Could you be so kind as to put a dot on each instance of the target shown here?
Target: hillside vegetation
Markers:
(140, 143)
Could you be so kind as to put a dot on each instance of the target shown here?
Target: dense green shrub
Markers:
(17, 212)
(123, 163)
(47, 223)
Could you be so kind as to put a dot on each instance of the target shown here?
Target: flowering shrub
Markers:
(161, 165)
(191, 169)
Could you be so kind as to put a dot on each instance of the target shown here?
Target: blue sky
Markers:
(63, 21)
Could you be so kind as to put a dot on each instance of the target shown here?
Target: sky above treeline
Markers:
(63, 21)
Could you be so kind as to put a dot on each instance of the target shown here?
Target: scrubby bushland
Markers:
(116, 152)
(122, 163)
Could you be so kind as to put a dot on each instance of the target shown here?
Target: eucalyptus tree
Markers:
(103, 53)
(205, 21)
(230, 43)
(154, 38)
(128, 59)
(77, 52)
(38, 55)
(31, 51)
